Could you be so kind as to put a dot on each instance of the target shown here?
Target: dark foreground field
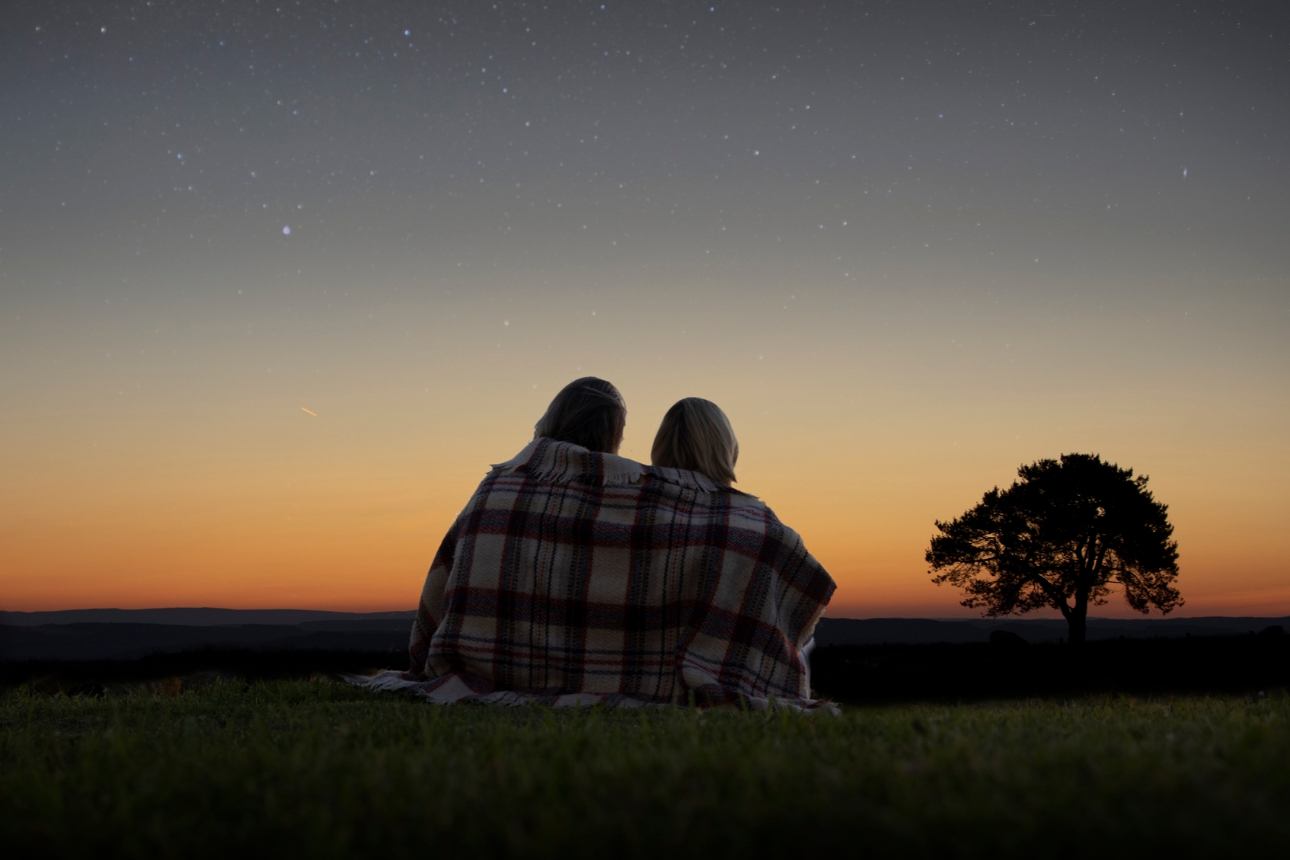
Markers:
(868, 674)
(312, 768)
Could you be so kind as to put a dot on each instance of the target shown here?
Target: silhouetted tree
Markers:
(1061, 536)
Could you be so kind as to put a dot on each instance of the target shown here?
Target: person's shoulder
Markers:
(751, 506)
(692, 480)
(682, 478)
(550, 461)
(747, 501)
(753, 511)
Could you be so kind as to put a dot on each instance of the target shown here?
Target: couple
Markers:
(574, 576)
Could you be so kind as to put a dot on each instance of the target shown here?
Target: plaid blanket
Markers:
(574, 577)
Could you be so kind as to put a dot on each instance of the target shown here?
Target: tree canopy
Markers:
(1062, 536)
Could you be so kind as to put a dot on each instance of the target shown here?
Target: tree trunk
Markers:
(1076, 627)
(1076, 622)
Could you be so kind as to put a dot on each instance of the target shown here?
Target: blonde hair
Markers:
(695, 434)
(588, 412)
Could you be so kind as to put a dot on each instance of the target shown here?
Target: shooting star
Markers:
(308, 411)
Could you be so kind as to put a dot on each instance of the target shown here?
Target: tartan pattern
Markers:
(577, 574)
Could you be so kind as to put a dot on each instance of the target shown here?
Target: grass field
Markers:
(317, 769)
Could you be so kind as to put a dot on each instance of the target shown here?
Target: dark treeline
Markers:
(1004, 668)
(194, 668)
(1007, 667)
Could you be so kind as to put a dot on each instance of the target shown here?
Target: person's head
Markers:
(696, 435)
(588, 412)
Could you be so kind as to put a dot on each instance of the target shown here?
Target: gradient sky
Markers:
(281, 279)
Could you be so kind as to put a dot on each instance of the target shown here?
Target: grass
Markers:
(318, 769)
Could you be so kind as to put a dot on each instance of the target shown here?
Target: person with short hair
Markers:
(575, 576)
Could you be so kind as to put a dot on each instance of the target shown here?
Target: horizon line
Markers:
(410, 611)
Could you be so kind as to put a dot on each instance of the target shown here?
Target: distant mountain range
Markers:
(194, 616)
(122, 634)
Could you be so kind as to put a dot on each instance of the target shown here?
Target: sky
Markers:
(281, 279)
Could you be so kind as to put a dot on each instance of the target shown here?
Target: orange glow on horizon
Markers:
(319, 516)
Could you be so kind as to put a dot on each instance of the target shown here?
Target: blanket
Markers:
(574, 577)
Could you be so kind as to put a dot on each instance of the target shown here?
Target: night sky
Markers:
(280, 280)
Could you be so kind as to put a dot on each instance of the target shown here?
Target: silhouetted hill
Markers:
(127, 640)
(921, 631)
(193, 616)
(125, 634)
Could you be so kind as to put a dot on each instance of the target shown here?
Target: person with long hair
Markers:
(696, 435)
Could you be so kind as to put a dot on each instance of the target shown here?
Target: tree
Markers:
(1061, 537)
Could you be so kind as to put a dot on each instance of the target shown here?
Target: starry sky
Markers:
(281, 279)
